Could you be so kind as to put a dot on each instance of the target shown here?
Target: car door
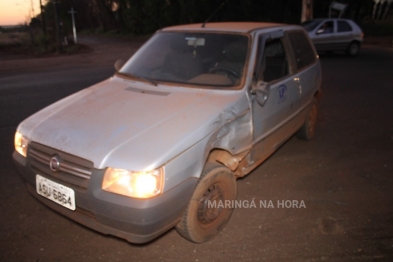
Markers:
(344, 34)
(324, 36)
(276, 93)
(306, 69)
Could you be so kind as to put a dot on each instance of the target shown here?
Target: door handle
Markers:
(297, 80)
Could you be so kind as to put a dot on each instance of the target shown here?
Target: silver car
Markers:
(335, 34)
(161, 143)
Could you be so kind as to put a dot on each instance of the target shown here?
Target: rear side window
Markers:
(343, 26)
(302, 49)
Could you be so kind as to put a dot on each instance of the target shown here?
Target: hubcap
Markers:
(210, 206)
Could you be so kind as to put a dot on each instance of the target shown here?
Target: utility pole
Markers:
(32, 9)
(58, 24)
(43, 19)
(30, 26)
(72, 12)
(307, 10)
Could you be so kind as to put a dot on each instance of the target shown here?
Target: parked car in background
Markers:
(161, 143)
(335, 34)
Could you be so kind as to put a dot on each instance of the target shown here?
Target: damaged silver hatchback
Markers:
(155, 145)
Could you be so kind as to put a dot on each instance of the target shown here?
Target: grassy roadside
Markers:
(19, 43)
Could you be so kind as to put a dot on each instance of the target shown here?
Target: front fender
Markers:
(234, 134)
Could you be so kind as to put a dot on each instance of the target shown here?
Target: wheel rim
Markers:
(206, 213)
(312, 120)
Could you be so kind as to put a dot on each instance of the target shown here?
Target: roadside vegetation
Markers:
(52, 30)
(135, 17)
(22, 41)
(378, 27)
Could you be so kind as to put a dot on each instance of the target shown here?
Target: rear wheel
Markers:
(206, 214)
(353, 49)
(307, 131)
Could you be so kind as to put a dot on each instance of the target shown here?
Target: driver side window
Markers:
(326, 28)
(274, 61)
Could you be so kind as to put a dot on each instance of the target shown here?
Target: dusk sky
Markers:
(14, 12)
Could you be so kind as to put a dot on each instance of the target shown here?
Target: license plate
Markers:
(59, 194)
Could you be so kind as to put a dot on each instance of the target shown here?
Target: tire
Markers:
(307, 131)
(200, 222)
(353, 49)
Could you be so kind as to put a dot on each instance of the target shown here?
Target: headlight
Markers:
(143, 184)
(21, 144)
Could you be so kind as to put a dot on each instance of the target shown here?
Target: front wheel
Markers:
(207, 213)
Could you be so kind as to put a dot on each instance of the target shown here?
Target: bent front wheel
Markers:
(207, 214)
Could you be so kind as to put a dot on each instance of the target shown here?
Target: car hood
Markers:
(130, 125)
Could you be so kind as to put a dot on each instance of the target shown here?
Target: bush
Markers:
(377, 28)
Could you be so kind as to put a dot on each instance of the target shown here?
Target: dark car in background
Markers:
(335, 34)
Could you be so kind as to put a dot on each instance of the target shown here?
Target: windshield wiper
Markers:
(139, 78)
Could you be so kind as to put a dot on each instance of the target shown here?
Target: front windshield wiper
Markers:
(139, 78)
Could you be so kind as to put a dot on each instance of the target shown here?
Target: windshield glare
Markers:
(207, 59)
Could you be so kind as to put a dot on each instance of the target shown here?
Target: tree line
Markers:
(141, 17)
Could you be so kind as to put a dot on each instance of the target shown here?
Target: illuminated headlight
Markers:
(21, 144)
(143, 184)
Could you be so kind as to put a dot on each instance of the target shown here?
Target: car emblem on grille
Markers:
(54, 163)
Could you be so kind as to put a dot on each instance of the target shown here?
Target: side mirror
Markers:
(119, 64)
(261, 92)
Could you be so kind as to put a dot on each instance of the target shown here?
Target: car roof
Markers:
(240, 27)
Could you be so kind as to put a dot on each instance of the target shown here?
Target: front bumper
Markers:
(135, 220)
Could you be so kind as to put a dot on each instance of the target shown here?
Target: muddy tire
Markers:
(204, 218)
(307, 131)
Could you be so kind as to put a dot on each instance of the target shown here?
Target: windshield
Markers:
(201, 59)
(311, 25)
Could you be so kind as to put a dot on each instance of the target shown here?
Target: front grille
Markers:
(72, 169)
